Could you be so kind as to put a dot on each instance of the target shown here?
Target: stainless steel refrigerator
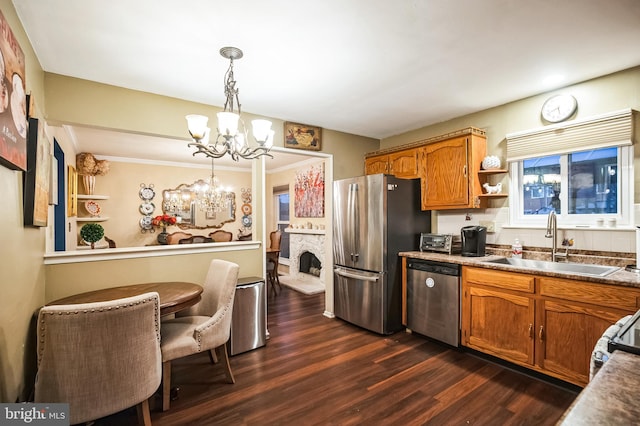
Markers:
(375, 218)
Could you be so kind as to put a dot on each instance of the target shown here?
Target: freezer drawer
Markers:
(359, 298)
(433, 302)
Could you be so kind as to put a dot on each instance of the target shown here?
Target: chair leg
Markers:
(166, 385)
(144, 414)
(223, 355)
(212, 357)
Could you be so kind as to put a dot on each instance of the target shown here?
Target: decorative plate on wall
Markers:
(92, 207)
(246, 208)
(147, 208)
(146, 192)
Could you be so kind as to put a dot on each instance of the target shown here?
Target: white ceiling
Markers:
(374, 68)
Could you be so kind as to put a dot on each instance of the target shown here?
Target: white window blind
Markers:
(612, 129)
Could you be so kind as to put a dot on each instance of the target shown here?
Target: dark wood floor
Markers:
(320, 371)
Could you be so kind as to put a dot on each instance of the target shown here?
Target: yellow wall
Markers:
(122, 185)
(21, 272)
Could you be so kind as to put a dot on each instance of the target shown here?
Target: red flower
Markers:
(163, 220)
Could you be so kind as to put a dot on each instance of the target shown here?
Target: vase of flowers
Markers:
(89, 167)
(163, 221)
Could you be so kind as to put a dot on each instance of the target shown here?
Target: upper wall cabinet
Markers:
(450, 173)
(447, 166)
(402, 164)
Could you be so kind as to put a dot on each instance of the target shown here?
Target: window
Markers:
(580, 187)
(281, 202)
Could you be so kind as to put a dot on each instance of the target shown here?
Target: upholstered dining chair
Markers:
(175, 237)
(196, 239)
(205, 326)
(272, 260)
(100, 357)
(221, 236)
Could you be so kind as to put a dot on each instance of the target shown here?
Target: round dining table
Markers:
(174, 295)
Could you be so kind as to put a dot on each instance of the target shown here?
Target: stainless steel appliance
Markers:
(375, 218)
(433, 300)
(474, 239)
(249, 316)
(443, 243)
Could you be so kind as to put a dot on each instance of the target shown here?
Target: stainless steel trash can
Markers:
(249, 318)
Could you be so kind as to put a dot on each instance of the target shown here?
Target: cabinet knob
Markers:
(531, 330)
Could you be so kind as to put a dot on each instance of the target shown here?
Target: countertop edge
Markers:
(620, 278)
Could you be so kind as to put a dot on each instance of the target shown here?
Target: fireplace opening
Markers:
(310, 264)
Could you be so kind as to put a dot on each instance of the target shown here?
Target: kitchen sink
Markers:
(571, 268)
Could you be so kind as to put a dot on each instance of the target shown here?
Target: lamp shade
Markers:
(197, 125)
(261, 129)
(228, 123)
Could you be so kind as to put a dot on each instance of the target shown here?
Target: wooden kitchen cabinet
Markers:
(450, 169)
(401, 164)
(376, 164)
(496, 320)
(548, 324)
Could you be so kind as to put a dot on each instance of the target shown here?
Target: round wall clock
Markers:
(558, 108)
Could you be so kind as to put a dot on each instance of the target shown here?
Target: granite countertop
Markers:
(611, 397)
(621, 277)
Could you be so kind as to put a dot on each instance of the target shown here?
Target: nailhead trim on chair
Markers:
(90, 311)
(226, 309)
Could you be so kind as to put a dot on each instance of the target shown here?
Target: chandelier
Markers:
(232, 135)
(210, 196)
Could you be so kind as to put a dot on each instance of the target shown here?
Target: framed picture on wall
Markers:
(37, 176)
(13, 101)
(72, 191)
(302, 136)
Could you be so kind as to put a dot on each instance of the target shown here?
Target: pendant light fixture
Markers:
(231, 136)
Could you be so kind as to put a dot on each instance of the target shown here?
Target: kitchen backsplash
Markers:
(605, 239)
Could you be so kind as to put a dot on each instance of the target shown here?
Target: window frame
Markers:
(281, 224)
(624, 217)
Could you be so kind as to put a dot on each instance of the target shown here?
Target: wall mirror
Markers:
(182, 202)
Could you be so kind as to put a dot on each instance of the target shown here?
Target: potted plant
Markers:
(91, 233)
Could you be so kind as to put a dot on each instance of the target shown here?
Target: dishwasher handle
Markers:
(346, 274)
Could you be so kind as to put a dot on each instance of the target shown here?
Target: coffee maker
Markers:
(474, 239)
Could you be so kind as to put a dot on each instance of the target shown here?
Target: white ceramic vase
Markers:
(89, 183)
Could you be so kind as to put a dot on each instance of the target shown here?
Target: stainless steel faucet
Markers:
(552, 232)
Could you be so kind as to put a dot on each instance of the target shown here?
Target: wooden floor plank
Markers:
(320, 371)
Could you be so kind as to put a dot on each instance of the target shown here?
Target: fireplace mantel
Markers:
(305, 231)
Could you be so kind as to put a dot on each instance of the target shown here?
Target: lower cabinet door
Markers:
(566, 335)
(499, 323)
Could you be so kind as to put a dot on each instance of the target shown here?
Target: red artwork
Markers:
(13, 101)
(309, 192)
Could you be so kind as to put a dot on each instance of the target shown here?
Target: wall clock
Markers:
(558, 108)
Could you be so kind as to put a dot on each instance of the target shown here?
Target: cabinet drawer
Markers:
(624, 298)
(500, 279)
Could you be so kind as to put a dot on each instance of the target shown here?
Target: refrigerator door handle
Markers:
(346, 274)
(353, 219)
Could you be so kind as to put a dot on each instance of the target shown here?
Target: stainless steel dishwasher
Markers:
(433, 300)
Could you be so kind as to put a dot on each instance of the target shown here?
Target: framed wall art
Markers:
(72, 191)
(302, 136)
(13, 101)
(37, 176)
(309, 192)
